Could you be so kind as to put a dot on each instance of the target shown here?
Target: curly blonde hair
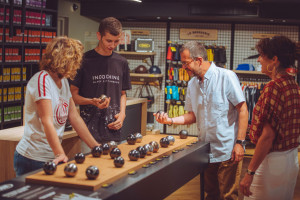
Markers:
(63, 56)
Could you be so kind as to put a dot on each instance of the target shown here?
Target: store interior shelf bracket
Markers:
(146, 79)
(138, 55)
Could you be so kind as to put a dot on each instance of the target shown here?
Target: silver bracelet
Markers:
(171, 122)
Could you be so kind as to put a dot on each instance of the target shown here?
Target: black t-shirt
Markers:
(99, 75)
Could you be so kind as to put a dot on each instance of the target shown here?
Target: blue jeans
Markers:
(23, 165)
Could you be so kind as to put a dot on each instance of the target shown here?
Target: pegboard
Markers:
(158, 32)
(224, 39)
(244, 44)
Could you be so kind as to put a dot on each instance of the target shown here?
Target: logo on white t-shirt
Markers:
(61, 112)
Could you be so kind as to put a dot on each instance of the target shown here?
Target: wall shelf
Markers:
(140, 55)
(146, 79)
(6, 68)
(248, 72)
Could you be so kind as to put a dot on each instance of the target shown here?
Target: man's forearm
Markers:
(187, 118)
(81, 100)
(243, 121)
(123, 104)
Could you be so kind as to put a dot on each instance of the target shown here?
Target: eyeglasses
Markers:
(186, 64)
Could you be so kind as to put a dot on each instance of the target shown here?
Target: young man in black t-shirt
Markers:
(103, 72)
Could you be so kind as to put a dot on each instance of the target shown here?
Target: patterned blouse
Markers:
(279, 105)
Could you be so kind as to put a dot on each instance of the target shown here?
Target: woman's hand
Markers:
(60, 158)
(245, 184)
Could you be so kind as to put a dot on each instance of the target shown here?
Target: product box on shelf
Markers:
(144, 45)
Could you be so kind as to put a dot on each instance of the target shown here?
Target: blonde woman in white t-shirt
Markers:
(48, 105)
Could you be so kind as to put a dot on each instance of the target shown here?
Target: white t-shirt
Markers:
(34, 144)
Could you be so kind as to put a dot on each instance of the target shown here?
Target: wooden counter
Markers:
(108, 172)
(9, 139)
(71, 143)
(143, 101)
(157, 181)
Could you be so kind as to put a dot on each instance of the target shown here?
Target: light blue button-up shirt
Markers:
(213, 102)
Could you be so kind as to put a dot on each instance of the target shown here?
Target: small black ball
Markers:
(134, 155)
(49, 168)
(131, 139)
(97, 151)
(92, 172)
(164, 142)
(70, 170)
(142, 150)
(119, 162)
(79, 158)
(155, 146)
(105, 148)
(183, 134)
(115, 152)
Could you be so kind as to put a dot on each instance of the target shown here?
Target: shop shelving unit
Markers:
(25, 29)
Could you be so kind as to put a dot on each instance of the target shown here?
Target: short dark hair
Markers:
(110, 25)
(280, 46)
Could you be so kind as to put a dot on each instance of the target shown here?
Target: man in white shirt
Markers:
(216, 103)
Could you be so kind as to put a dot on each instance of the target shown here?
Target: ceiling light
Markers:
(140, 1)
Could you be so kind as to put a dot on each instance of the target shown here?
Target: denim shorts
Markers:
(23, 165)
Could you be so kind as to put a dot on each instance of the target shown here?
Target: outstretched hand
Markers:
(162, 118)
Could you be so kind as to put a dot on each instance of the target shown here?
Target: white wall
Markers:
(78, 25)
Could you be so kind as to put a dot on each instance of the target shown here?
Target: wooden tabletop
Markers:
(108, 173)
(16, 133)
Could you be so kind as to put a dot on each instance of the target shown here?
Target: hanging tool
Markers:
(252, 57)
(169, 54)
(181, 110)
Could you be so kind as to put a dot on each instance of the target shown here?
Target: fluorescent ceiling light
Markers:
(140, 1)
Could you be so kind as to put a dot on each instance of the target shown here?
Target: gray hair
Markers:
(196, 50)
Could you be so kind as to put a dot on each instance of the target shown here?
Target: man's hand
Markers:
(105, 104)
(162, 118)
(237, 153)
(116, 125)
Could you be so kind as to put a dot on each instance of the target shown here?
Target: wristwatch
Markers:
(251, 173)
(242, 142)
